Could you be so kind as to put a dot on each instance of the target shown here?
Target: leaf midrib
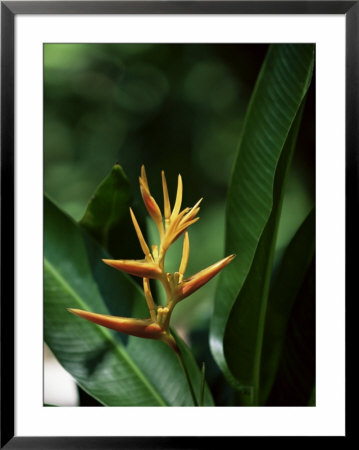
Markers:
(105, 333)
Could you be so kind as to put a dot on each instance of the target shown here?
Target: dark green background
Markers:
(177, 107)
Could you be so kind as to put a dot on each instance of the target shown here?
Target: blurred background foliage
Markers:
(177, 107)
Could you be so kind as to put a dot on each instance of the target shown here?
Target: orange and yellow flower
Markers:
(171, 225)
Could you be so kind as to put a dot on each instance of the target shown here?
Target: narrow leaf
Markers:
(249, 309)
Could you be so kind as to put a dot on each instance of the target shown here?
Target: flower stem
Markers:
(181, 360)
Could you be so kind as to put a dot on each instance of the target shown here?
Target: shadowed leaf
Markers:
(253, 207)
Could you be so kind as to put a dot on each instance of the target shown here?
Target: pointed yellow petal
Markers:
(149, 298)
(182, 228)
(151, 206)
(185, 254)
(150, 203)
(185, 221)
(178, 203)
(143, 244)
(143, 174)
(192, 213)
(177, 220)
(166, 199)
(139, 268)
(145, 328)
(191, 284)
(195, 207)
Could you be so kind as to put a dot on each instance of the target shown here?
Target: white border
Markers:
(327, 418)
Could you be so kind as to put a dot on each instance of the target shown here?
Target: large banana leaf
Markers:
(249, 309)
(113, 369)
(238, 319)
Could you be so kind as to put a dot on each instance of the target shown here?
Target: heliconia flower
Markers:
(171, 225)
(191, 284)
(139, 268)
(145, 328)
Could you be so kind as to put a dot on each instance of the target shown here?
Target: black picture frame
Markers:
(9, 10)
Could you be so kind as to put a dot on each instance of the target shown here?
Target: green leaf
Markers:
(238, 319)
(284, 291)
(107, 217)
(250, 307)
(294, 384)
(112, 368)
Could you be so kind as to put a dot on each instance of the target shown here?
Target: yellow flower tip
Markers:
(151, 205)
(166, 200)
(145, 328)
(138, 268)
(192, 212)
(199, 202)
(191, 284)
(182, 228)
(143, 173)
(140, 237)
(178, 202)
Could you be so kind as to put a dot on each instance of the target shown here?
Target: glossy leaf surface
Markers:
(106, 364)
(279, 92)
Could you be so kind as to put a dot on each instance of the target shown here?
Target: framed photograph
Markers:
(175, 183)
